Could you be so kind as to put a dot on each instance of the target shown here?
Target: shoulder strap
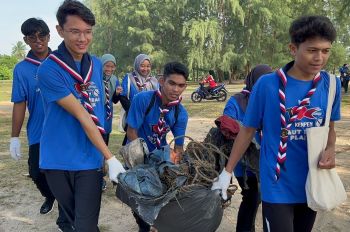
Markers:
(331, 96)
(151, 103)
(128, 94)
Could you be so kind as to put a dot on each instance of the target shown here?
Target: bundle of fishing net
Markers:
(160, 191)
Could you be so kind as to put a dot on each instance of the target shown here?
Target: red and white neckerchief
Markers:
(107, 103)
(30, 60)
(162, 128)
(140, 85)
(285, 126)
(82, 87)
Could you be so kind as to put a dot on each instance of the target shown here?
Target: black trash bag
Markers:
(196, 209)
(141, 189)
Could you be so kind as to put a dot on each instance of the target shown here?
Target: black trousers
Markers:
(345, 85)
(79, 195)
(249, 205)
(287, 217)
(35, 173)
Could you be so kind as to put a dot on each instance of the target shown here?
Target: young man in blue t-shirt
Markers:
(71, 145)
(165, 113)
(26, 93)
(298, 91)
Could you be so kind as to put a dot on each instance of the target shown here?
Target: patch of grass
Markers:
(5, 90)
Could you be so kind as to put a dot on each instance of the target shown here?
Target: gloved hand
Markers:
(114, 168)
(222, 183)
(15, 148)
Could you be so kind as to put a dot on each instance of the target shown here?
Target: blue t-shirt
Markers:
(144, 123)
(64, 144)
(233, 110)
(112, 87)
(133, 89)
(263, 109)
(25, 88)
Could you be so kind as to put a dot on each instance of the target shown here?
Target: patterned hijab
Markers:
(252, 77)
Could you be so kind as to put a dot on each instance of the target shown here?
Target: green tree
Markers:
(6, 67)
(19, 50)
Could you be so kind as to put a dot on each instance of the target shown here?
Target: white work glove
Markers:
(114, 168)
(15, 148)
(222, 183)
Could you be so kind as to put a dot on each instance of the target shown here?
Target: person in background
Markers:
(247, 179)
(209, 79)
(155, 113)
(112, 90)
(138, 80)
(71, 145)
(345, 76)
(26, 93)
(296, 96)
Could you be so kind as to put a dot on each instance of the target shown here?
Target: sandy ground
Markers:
(20, 201)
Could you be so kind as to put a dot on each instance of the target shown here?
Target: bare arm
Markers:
(131, 133)
(240, 145)
(18, 113)
(71, 104)
(327, 160)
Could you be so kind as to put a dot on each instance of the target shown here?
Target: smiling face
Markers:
(310, 57)
(172, 87)
(109, 68)
(145, 68)
(38, 44)
(77, 36)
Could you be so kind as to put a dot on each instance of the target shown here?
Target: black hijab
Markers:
(252, 77)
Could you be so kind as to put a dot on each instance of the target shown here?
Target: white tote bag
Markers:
(122, 115)
(324, 189)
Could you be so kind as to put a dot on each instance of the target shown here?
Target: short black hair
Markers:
(34, 25)
(73, 7)
(211, 72)
(307, 27)
(175, 68)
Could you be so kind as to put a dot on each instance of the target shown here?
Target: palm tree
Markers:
(19, 50)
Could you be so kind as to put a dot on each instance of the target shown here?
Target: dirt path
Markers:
(20, 201)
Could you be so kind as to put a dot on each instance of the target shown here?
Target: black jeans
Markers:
(287, 217)
(249, 205)
(345, 84)
(79, 195)
(35, 173)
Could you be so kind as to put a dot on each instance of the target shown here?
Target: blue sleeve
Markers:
(19, 92)
(231, 109)
(179, 128)
(136, 114)
(256, 104)
(117, 82)
(51, 83)
(335, 115)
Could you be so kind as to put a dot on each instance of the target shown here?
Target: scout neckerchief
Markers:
(31, 58)
(162, 128)
(65, 60)
(107, 103)
(285, 126)
(140, 85)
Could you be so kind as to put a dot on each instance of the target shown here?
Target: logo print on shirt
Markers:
(94, 94)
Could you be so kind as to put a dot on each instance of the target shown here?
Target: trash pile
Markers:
(159, 191)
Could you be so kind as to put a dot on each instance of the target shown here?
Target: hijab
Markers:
(252, 77)
(151, 83)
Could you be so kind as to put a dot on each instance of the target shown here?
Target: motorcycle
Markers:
(218, 93)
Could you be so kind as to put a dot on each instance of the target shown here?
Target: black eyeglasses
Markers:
(33, 38)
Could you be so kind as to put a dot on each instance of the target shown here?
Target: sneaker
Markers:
(104, 184)
(47, 206)
(65, 228)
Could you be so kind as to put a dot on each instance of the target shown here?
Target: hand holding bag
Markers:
(324, 189)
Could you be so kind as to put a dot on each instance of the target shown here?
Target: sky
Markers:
(14, 12)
